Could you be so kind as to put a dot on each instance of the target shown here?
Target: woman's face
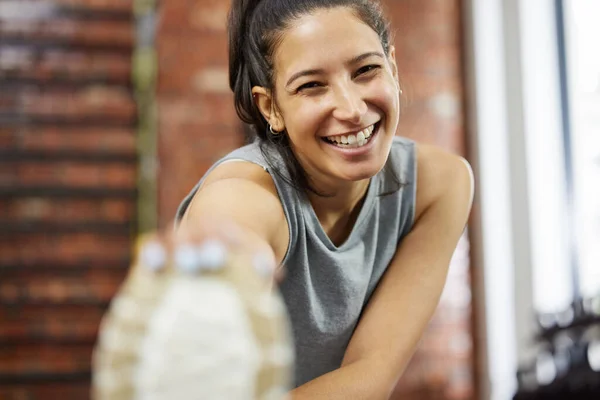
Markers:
(336, 95)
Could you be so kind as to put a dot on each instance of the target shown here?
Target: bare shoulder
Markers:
(240, 169)
(243, 193)
(442, 175)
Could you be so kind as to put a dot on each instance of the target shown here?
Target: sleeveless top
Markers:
(326, 287)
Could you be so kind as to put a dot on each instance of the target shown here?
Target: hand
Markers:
(190, 295)
(209, 246)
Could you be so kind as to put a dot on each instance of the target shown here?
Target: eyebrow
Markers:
(352, 61)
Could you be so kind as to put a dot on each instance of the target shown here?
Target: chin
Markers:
(359, 173)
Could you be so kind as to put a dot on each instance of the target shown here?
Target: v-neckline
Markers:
(365, 208)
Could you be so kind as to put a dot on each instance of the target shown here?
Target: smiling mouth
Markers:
(354, 140)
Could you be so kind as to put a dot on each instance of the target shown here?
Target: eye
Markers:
(367, 69)
(309, 85)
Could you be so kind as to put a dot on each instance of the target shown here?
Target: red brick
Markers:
(73, 31)
(77, 248)
(8, 101)
(173, 15)
(45, 391)
(174, 112)
(177, 113)
(55, 327)
(8, 138)
(8, 175)
(50, 358)
(114, 5)
(64, 321)
(212, 80)
(37, 312)
(209, 15)
(10, 293)
(71, 174)
(429, 54)
(62, 63)
(192, 16)
(73, 139)
(53, 289)
(182, 57)
(90, 102)
(192, 151)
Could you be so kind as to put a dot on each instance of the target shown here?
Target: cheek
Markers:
(387, 96)
(304, 119)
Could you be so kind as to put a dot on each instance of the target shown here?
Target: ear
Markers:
(264, 101)
(394, 66)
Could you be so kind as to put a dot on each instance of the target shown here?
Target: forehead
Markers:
(324, 39)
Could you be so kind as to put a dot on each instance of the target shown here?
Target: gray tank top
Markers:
(326, 287)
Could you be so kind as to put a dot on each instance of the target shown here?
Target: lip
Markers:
(358, 150)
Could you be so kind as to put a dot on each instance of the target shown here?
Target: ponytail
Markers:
(240, 62)
(240, 15)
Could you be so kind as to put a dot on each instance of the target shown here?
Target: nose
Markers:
(349, 104)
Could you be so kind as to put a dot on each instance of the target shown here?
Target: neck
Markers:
(338, 211)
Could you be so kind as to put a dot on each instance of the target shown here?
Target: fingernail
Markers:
(153, 256)
(211, 255)
(264, 265)
(214, 254)
(187, 258)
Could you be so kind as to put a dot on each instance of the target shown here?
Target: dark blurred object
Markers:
(568, 363)
(68, 176)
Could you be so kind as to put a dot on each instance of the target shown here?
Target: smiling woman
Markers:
(333, 88)
(361, 222)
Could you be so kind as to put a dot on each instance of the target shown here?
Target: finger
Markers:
(203, 244)
(152, 252)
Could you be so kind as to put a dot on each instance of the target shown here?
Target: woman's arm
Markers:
(238, 202)
(408, 294)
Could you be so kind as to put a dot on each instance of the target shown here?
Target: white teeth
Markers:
(353, 140)
(360, 138)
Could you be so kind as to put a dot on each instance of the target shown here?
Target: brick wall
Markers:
(197, 121)
(198, 125)
(67, 188)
